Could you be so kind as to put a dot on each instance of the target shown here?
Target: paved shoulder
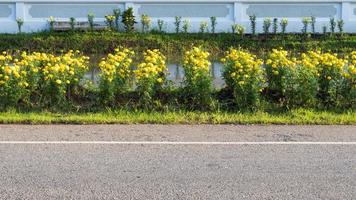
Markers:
(191, 133)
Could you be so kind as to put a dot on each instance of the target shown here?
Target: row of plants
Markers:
(314, 79)
(127, 21)
(97, 44)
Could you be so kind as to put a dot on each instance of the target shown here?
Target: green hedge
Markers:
(170, 44)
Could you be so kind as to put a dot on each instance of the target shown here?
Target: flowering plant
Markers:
(243, 75)
(280, 69)
(115, 74)
(329, 70)
(197, 78)
(146, 23)
(12, 85)
(150, 76)
(54, 77)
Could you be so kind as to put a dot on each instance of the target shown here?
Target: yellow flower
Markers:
(58, 81)
(153, 68)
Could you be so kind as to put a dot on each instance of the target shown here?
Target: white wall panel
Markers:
(36, 12)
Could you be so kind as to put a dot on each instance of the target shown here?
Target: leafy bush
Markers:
(253, 24)
(275, 25)
(51, 22)
(289, 84)
(60, 75)
(203, 27)
(160, 24)
(332, 24)
(117, 14)
(91, 21)
(110, 21)
(20, 23)
(128, 19)
(306, 21)
(115, 74)
(12, 84)
(349, 83)
(267, 25)
(49, 79)
(243, 76)
(72, 23)
(197, 79)
(329, 69)
(213, 24)
(312, 23)
(177, 22)
(146, 23)
(150, 77)
(186, 25)
(283, 24)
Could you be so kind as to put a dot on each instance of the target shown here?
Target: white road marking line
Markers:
(175, 143)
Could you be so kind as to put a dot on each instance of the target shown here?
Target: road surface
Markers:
(177, 162)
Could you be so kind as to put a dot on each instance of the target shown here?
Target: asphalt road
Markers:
(177, 162)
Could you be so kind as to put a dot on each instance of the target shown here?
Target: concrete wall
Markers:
(36, 12)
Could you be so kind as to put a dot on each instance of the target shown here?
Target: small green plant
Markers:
(91, 21)
(325, 29)
(267, 25)
(340, 26)
(312, 23)
(72, 23)
(306, 21)
(253, 24)
(186, 25)
(146, 23)
(332, 24)
(177, 22)
(110, 21)
(275, 26)
(234, 28)
(284, 24)
(51, 22)
(160, 24)
(238, 29)
(19, 22)
(203, 27)
(128, 19)
(213, 23)
(117, 14)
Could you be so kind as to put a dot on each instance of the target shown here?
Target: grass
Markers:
(297, 117)
(172, 45)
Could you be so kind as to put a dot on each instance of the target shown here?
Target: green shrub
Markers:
(197, 80)
(329, 70)
(128, 19)
(243, 76)
(115, 75)
(289, 84)
(117, 14)
(12, 84)
(150, 78)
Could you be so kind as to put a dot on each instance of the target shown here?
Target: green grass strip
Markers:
(298, 117)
